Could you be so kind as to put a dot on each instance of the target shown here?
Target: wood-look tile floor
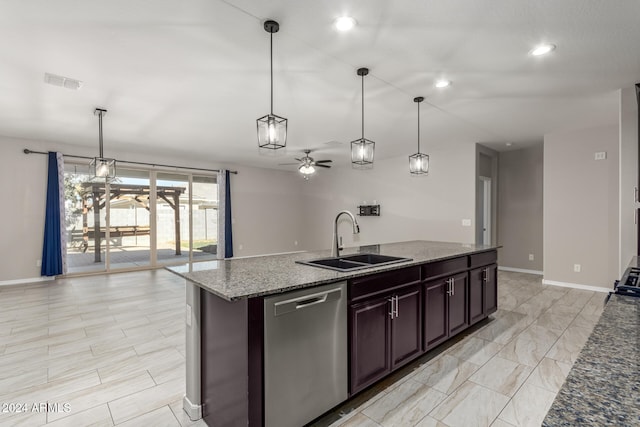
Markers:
(505, 371)
(110, 347)
(109, 350)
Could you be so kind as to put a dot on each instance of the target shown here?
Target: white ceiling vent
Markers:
(65, 82)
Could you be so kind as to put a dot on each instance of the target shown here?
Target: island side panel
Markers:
(225, 367)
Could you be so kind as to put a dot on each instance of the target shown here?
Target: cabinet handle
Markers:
(392, 311)
(485, 275)
(397, 310)
(453, 286)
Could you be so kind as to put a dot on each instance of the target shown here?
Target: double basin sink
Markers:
(353, 262)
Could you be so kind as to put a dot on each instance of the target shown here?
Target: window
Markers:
(142, 218)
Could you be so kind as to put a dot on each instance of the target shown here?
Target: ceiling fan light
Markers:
(306, 169)
(442, 83)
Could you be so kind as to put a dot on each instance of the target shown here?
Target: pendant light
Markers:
(102, 167)
(272, 129)
(362, 149)
(419, 162)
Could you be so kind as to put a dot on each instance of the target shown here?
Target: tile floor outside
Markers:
(111, 348)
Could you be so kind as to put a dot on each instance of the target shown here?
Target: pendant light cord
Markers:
(363, 106)
(271, 62)
(418, 126)
(100, 133)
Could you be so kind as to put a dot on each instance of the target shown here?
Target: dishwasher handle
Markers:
(305, 301)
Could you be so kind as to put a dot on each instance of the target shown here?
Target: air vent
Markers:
(61, 81)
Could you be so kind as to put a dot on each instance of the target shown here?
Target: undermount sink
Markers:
(353, 262)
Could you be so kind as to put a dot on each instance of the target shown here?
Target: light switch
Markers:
(466, 223)
(601, 155)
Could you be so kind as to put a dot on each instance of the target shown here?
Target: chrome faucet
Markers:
(337, 244)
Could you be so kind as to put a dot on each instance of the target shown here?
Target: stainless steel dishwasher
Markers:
(305, 354)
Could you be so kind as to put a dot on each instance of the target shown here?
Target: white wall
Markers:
(628, 174)
(266, 204)
(520, 208)
(412, 208)
(266, 210)
(581, 207)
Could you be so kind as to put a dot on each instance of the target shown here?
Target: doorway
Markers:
(486, 210)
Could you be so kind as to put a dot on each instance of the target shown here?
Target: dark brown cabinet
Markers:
(406, 327)
(445, 308)
(386, 332)
(396, 316)
(369, 344)
(483, 292)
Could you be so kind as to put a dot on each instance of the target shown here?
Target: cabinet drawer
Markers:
(371, 285)
(446, 267)
(483, 258)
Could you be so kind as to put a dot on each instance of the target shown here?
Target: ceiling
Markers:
(190, 78)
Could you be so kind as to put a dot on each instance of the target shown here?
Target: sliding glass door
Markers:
(205, 218)
(141, 219)
(172, 213)
(129, 228)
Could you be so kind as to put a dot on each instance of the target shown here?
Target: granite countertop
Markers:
(603, 386)
(239, 278)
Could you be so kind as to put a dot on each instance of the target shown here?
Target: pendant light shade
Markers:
(272, 129)
(419, 162)
(362, 149)
(102, 167)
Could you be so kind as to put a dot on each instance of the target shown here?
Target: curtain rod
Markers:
(27, 151)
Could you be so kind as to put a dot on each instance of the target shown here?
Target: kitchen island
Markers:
(603, 386)
(392, 314)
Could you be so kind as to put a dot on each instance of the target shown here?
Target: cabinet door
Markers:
(406, 327)
(491, 290)
(436, 325)
(477, 295)
(458, 313)
(370, 333)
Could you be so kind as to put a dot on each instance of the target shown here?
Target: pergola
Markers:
(138, 194)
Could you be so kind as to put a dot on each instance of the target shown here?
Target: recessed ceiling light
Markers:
(442, 83)
(509, 144)
(542, 49)
(344, 23)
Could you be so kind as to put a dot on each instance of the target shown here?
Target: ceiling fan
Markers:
(307, 165)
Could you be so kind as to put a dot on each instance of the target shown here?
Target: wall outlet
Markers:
(39, 263)
(530, 257)
(240, 247)
(295, 243)
(466, 223)
(577, 268)
(601, 155)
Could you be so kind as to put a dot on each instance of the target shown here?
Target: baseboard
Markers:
(576, 286)
(520, 270)
(24, 281)
(193, 411)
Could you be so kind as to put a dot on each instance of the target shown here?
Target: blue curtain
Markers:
(228, 236)
(52, 249)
